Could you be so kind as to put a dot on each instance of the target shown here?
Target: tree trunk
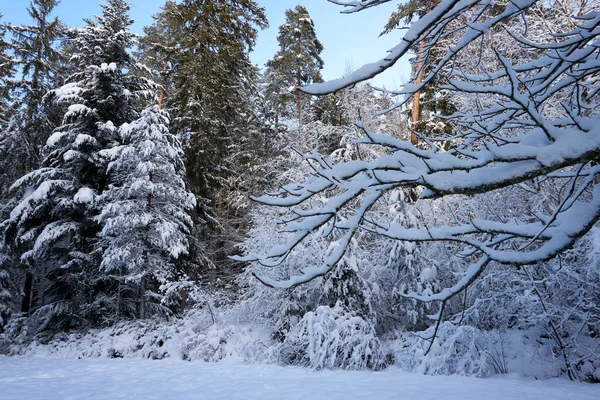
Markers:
(143, 298)
(27, 289)
(220, 206)
(416, 111)
(161, 97)
(149, 198)
(299, 96)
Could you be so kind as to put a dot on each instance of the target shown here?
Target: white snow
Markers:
(96, 379)
(32, 196)
(104, 67)
(84, 138)
(77, 109)
(55, 137)
(84, 195)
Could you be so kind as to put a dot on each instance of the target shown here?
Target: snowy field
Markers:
(109, 379)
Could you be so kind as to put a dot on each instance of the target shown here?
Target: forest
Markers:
(161, 196)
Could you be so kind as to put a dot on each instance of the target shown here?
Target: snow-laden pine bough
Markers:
(536, 121)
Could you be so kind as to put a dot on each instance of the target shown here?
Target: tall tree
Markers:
(145, 215)
(34, 48)
(200, 49)
(297, 62)
(407, 13)
(55, 225)
(205, 46)
(7, 71)
(7, 294)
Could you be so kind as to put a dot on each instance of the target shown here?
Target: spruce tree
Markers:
(200, 49)
(39, 61)
(6, 293)
(206, 81)
(55, 225)
(297, 62)
(7, 71)
(145, 215)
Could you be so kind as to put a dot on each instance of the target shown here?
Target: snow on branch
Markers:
(357, 5)
(425, 30)
(536, 119)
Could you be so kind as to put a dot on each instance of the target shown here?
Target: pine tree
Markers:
(55, 226)
(34, 48)
(201, 49)
(7, 71)
(145, 215)
(297, 62)
(206, 81)
(430, 101)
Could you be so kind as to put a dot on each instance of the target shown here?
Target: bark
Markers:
(299, 96)
(27, 289)
(416, 111)
(161, 97)
(143, 298)
(149, 198)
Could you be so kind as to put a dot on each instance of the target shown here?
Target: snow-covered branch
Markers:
(357, 5)
(535, 119)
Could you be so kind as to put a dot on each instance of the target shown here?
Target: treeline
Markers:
(127, 162)
(412, 238)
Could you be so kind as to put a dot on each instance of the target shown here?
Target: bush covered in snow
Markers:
(333, 337)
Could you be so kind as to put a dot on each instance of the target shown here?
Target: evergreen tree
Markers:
(6, 294)
(7, 71)
(207, 80)
(144, 215)
(55, 226)
(432, 101)
(297, 62)
(200, 50)
(34, 48)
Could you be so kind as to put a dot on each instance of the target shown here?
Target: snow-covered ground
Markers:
(99, 379)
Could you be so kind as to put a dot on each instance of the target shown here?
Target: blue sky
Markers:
(350, 40)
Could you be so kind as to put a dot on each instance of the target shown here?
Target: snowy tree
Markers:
(336, 322)
(7, 71)
(205, 47)
(6, 290)
(430, 96)
(144, 217)
(325, 324)
(26, 120)
(39, 62)
(297, 62)
(200, 51)
(54, 224)
(518, 139)
(250, 162)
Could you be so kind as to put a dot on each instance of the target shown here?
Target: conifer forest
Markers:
(162, 196)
